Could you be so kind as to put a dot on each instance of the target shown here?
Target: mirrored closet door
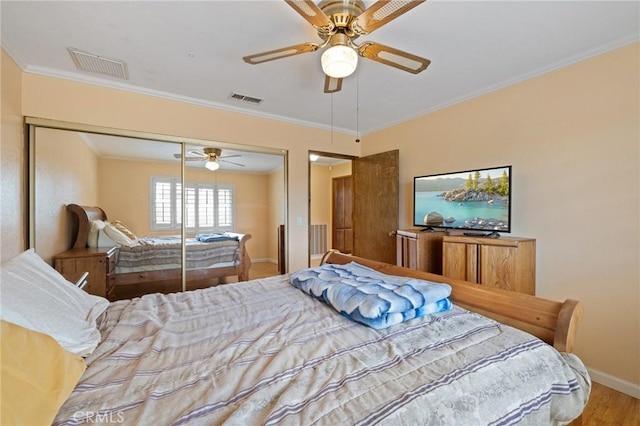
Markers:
(134, 212)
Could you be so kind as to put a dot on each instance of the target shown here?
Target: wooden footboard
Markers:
(243, 267)
(554, 322)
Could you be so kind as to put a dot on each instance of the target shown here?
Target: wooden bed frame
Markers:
(166, 277)
(555, 323)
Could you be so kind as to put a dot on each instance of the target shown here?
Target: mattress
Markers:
(263, 352)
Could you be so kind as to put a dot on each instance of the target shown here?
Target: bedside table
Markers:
(99, 263)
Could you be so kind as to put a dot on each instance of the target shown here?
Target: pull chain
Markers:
(332, 119)
(357, 107)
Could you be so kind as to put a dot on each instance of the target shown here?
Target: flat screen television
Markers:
(476, 200)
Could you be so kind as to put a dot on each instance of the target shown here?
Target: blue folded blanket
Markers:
(370, 297)
(210, 238)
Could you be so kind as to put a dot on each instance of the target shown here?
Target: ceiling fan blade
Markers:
(270, 55)
(231, 162)
(313, 14)
(393, 57)
(179, 156)
(197, 153)
(332, 85)
(380, 13)
(231, 156)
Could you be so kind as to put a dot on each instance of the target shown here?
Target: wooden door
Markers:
(375, 206)
(342, 214)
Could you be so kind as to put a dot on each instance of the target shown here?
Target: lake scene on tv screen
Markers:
(471, 200)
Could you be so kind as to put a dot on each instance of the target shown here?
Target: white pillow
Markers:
(104, 240)
(94, 230)
(118, 236)
(37, 297)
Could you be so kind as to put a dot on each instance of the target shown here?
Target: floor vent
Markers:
(318, 239)
(246, 99)
(90, 62)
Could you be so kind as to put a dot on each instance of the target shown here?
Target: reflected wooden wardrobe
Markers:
(342, 215)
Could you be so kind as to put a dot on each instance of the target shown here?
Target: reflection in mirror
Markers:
(83, 169)
(138, 186)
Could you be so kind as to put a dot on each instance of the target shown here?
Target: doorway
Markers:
(328, 218)
(374, 205)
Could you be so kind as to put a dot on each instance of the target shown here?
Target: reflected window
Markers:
(209, 207)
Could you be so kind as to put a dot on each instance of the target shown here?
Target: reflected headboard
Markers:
(84, 215)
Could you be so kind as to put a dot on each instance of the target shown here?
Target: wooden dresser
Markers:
(100, 263)
(508, 263)
(418, 249)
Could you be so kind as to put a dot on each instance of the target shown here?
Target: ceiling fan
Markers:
(211, 156)
(339, 23)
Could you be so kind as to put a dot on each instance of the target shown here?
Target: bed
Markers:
(157, 260)
(264, 352)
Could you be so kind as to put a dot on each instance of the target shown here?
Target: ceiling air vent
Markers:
(90, 62)
(246, 99)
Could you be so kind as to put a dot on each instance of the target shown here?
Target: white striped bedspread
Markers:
(160, 252)
(262, 352)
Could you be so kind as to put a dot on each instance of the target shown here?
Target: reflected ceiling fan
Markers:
(211, 156)
(339, 23)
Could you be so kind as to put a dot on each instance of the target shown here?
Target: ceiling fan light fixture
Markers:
(339, 61)
(212, 165)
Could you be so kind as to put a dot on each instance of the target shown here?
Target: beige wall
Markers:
(12, 162)
(341, 169)
(320, 195)
(573, 139)
(66, 173)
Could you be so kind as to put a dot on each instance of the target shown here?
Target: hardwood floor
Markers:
(607, 407)
(259, 270)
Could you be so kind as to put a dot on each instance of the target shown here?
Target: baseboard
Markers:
(615, 383)
(263, 260)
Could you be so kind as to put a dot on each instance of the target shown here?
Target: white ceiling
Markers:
(192, 51)
(116, 147)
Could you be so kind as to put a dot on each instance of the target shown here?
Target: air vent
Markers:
(90, 62)
(245, 98)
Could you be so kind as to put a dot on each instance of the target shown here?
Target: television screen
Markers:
(478, 200)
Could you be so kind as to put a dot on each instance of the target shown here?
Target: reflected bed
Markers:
(156, 260)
